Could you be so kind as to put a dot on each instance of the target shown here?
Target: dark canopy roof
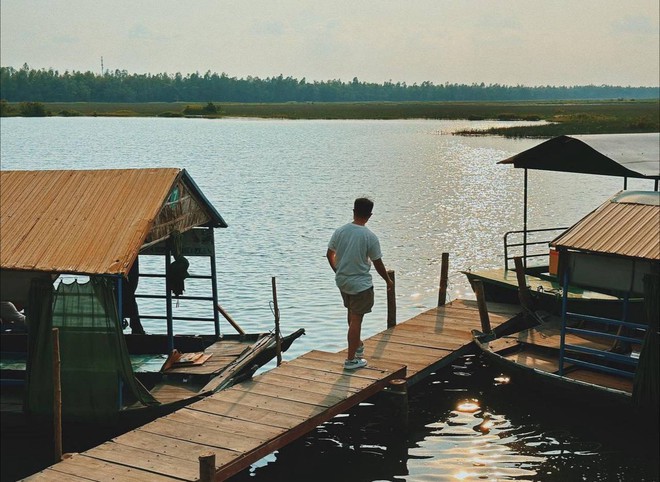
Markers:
(623, 155)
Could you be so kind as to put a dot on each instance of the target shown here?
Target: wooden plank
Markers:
(196, 418)
(52, 474)
(456, 315)
(257, 400)
(386, 342)
(320, 359)
(285, 393)
(343, 379)
(171, 447)
(302, 384)
(337, 368)
(203, 435)
(458, 326)
(458, 336)
(81, 467)
(504, 309)
(550, 336)
(538, 361)
(210, 366)
(602, 379)
(246, 412)
(413, 337)
(145, 460)
(228, 347)
(401, 354)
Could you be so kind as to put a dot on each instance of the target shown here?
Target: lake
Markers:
(283, 187)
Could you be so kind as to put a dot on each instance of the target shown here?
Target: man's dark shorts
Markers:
(360, 303)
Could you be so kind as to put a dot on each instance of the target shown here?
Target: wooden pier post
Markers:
(207, 467)
(57, 397)
(444, 275)
(478, 288)
(391, 302)
(398, 390)
(278, 337)
(523, 291)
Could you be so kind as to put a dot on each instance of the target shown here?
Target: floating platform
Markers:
(248, 421)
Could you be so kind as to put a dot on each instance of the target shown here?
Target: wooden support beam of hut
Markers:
(57, 397)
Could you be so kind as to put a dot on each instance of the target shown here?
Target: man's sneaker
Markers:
(355, 363)
(359, 353)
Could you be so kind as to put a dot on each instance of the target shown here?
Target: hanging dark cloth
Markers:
(129, 306)
(177, 270)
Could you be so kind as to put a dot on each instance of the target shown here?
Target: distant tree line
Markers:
(32, 85)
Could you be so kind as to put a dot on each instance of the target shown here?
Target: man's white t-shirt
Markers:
(355, 246)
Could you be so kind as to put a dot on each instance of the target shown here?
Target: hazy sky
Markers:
(530, 42)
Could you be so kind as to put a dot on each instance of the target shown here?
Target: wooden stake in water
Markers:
(207, 467)
(478, 288)
(444, 275)
(276, 312)
(391, 302)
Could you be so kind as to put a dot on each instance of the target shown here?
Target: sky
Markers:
(528, 42)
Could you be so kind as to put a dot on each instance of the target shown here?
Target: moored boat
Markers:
(73, 245)
(610, 359)
(622, 155)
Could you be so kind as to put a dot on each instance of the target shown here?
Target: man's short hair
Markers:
(363, 207)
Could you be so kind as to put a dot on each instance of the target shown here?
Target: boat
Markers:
(73, 245)
(621, 155)
(615, 249)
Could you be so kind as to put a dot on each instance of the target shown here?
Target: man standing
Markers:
(352, 249)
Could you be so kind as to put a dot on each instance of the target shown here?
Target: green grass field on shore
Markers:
(584, 117)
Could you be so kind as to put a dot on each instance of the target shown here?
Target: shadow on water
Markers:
(469, 422)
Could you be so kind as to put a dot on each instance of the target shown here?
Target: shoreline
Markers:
(553, 117)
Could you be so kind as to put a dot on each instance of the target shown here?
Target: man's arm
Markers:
(330, 254)
(380, 268)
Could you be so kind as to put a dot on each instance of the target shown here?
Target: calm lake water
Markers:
(283, 187)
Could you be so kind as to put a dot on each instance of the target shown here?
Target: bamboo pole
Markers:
(444, 275)
(57, 397)
(278, 338)
(478, 288)
(207, 467)
(231, 321)
(391, 302)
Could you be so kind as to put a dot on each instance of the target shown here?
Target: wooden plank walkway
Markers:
(433, 339)
(246, 422)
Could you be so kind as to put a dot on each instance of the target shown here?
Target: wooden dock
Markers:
(246, 422)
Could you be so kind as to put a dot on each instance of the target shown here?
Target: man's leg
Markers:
(354, 329)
